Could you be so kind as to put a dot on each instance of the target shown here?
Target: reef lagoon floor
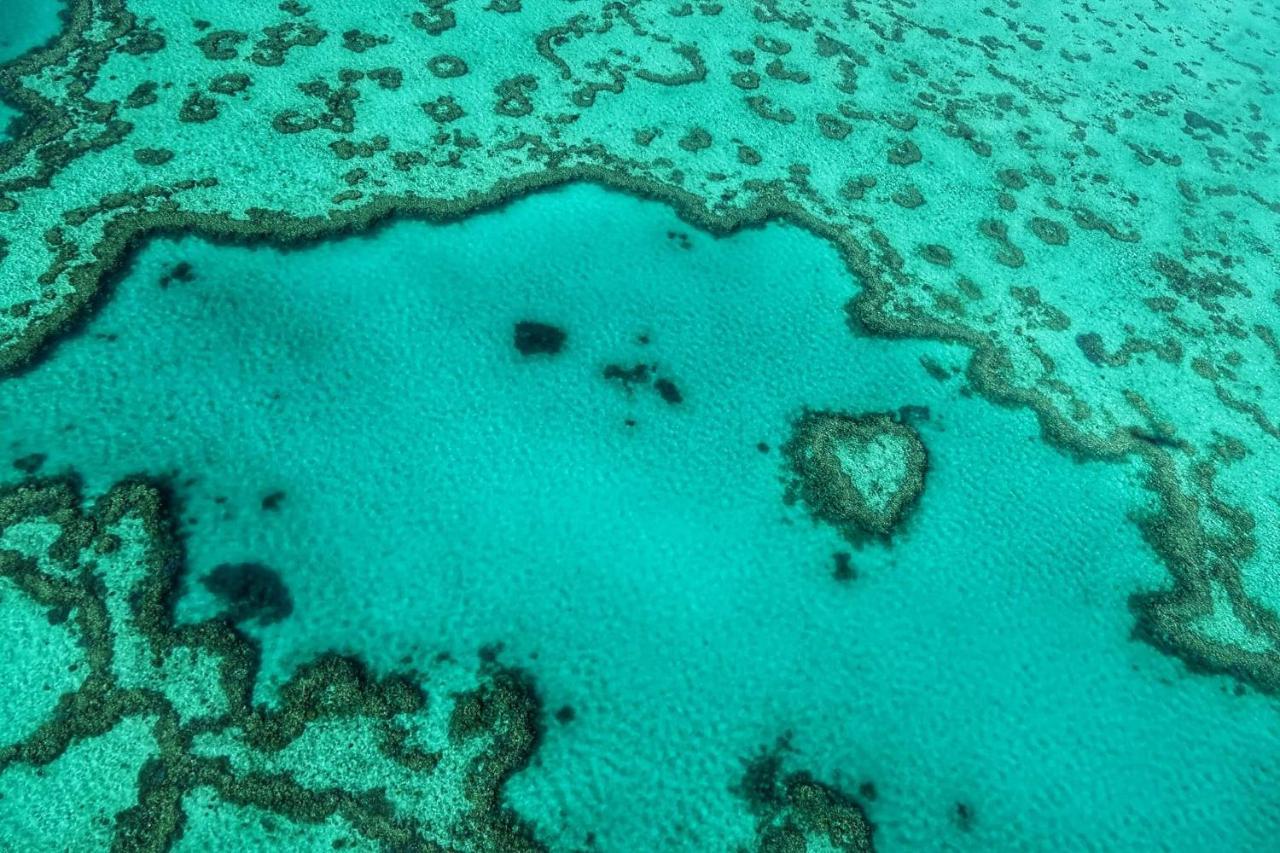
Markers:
(356, 417)
(596, 508)
(27, 25)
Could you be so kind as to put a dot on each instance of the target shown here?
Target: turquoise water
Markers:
(485, 425)
(442, 492)
(26, 24)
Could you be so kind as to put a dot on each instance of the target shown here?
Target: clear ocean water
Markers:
(548, 438)
(442, 492)
(27, 24)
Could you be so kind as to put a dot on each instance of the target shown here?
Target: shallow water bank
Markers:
(25, 24)
(356, 416)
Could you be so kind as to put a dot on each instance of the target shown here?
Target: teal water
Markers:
(442, 492)
(27, 24)
(24, 24)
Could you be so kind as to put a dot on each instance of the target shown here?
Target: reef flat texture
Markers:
(963, 160)
(859, 473)
(791, 809)
(339, 758)
(340, 750)
(1084, 198)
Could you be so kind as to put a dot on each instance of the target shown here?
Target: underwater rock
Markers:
(30, 464)
(844, 571)
(533, 338)
(112, 576)
(181, 271)
(858, 473)
(628, 377)
(795, 810)
(668, 391)
(250, 591)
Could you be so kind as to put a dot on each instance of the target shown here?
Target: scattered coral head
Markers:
(858, 473)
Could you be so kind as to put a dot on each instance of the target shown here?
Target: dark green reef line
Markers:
(1190, 553)
(504, 708)
(499, 722)
(1174, 532)
(501, 718)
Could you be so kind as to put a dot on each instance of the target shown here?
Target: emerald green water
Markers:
(498, 426)
(27, 24)
(443, 492)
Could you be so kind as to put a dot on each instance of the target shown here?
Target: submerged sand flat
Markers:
(419, 577)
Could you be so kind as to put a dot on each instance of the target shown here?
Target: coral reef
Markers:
(1079, 141)
(183, 695)
(534, 338)
(858, 473)
(794, 812)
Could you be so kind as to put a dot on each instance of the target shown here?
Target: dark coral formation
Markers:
(668, 391)
(535, 338)
(153, 156)
(1023, 141)
(250, 591)
(844, 570)
(87, 575)
(790, 809)
(30, 464)
(447, 66)
(641, 374)
(1165, 618)
(858, 473)
(629, 377)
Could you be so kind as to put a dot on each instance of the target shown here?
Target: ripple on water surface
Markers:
(24, 24)
(426, 475)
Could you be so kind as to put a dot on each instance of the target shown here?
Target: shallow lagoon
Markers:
(26, 24)
(442, 492)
